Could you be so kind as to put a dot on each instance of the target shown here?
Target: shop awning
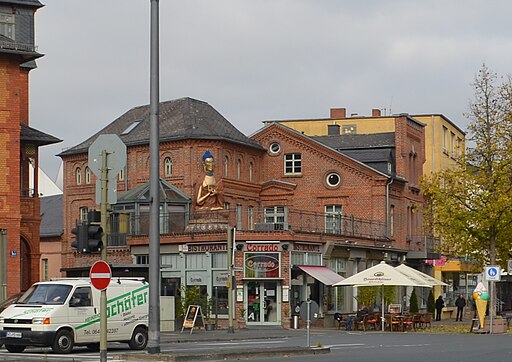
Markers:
(322, 273)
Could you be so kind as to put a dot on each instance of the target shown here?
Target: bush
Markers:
(413, 302)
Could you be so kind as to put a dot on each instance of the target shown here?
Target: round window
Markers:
(333, 179)
(274, 148)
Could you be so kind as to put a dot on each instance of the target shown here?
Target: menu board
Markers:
(193, 318)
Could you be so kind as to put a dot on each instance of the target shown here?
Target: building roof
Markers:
(31, 3)
(184, 118)
(168, 193)
(358, 141)
(29, 134)
(52, 224)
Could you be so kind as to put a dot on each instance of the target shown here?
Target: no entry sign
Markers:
(100, 275)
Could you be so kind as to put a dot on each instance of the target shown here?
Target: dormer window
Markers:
(7, 25)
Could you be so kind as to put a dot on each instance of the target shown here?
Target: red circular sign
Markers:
(100, 275)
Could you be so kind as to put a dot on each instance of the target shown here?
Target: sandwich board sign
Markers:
(193, 318)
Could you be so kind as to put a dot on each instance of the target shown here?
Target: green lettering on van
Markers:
(120, 304)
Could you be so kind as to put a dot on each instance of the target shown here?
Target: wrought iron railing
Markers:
(17, 46)
(256, 220)
(429, 244)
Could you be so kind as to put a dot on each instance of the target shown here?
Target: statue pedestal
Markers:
(209, 220)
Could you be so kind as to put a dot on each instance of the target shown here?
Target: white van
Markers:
(64, 313)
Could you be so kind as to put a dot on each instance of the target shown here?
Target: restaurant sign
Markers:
(261, 265)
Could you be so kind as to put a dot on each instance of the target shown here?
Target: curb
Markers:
(222, 355)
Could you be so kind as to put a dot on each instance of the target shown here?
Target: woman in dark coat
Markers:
(439, 307)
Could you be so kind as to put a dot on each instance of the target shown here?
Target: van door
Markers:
(84, 316)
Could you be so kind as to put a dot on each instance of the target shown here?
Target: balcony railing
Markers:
(422, 246)
(17, 46)
(256, 220)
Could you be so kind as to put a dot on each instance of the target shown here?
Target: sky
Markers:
(255, 60)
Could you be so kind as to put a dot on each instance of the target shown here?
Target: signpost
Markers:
(107, 156)
(100, 275)
(309, 312)
(492, 274)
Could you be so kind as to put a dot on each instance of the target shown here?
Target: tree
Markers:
(469, 205)
(431, 303)
(413, 302)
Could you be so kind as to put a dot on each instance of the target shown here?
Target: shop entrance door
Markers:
(263, 302)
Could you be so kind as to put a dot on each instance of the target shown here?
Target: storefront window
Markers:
(259, 265)
(335, 294)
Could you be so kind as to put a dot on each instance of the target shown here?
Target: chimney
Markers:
(338, 113)
(333, 129)
(375, 112)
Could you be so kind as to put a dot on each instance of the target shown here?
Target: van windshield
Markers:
(46, 294)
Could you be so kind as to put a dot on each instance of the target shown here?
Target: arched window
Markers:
(226, 166)
(238, 169)
(78, 174)
(87, 175)
(168, 166)
(250, 171)
(120, 175)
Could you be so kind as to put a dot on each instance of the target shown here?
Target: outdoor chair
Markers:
(362, 324)
(416, 321)
(373, 321)
(338, 317)
(408, 323)
(426, 319)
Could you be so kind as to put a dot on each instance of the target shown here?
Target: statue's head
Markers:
(208, 161)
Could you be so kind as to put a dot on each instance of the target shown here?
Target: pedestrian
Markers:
(439, 307)
(460, 303)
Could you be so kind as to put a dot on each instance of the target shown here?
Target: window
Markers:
(333, 218)
(250, 171)
(445, 137)
(141, 259)
(170, 261)
(45, 269)
(78, 175)
(250, 218)
(168, 167)
(391, 221)
(292, 163)
(7, 25)
(452, 144)
(120, 176)
(196, 261)
(349, 129)
(274, 148)
(226, 166)
(276, 215)
(238, 169)
(333, 179)
(130, 127)
(81, 297)
(87, 175)
(238, 217)
(83, 213)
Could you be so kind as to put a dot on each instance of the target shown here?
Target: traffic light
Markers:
(94, 243)
(80, 242)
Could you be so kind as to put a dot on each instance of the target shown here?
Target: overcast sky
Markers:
(255, 60)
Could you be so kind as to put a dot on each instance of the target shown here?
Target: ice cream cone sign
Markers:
(481, 296)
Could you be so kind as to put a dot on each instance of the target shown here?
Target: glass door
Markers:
(263, 302)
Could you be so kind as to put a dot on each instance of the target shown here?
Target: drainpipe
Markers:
(387, 206)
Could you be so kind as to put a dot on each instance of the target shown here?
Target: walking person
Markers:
(460, 303)
(439, 307)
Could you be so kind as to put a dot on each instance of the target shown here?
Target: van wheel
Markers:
(64, 342)
(139, 338)
(15, 348)
(93, 347)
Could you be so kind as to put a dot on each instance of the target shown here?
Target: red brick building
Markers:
(305, 212)
(19, 143)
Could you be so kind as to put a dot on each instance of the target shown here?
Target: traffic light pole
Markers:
(103, 222)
